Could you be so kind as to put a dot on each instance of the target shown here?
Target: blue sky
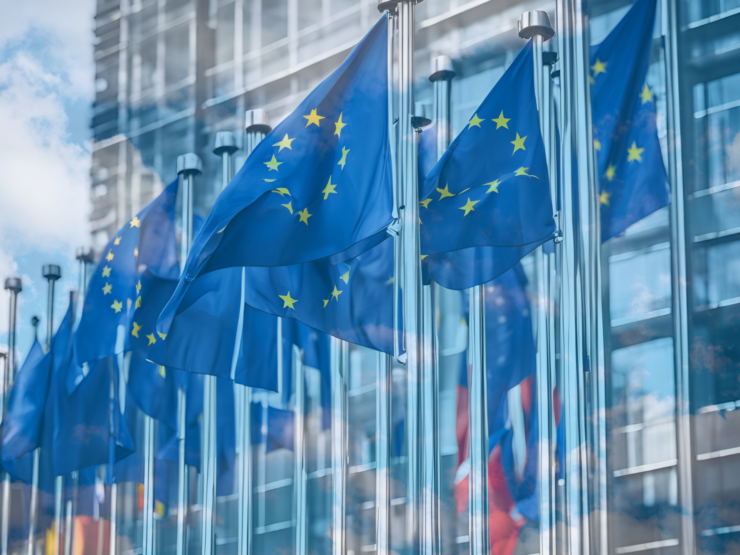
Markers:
(46, 90)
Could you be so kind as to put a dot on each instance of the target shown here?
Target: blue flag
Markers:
(316, 349)
(317, 185)
(127, 280)
(491, 186)
(632, 177)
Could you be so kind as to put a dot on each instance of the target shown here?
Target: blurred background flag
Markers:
(317, 185)
(632, 177)
(491, 186)
(130, 280)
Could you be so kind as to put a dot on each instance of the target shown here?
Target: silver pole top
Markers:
(13, 284)
(189, 164)
(256, 121)
(535, 22)
(51, 272)
(83, 255)
(441, 69)
(225, 143)
(388, 5)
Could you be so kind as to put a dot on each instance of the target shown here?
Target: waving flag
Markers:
(491, 186)
(632, 177)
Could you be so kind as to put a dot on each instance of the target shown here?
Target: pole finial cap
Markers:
(257, 121)
(535, 22)
(51, 272)
(84, 255)
(35, 321)
(389, 6)
(14, 284)
(441, 69)
(225, 143)
(189, 164)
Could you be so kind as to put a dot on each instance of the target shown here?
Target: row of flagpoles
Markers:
(569, 332)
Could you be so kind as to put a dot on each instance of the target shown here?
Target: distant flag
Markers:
(140, 259)
(632, 177)
(280, 425)
(491, 186)
(317, 185)
(316, 349)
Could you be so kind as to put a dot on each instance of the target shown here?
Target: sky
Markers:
(46, 91)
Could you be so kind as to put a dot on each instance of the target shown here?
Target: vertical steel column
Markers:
(299, 446)
(339, 446)
(431, 542)
(536, 25)
(14, 286)
(384, 427)
(679, 280)
(257, 127)
(188, 166)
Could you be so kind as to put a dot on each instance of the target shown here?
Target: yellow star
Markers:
(475, 121)
(314, 118)
(469, 206)
(338, 126)
(272, 164)
(492, 186)
(117, 306)
(597, 144)
(425, 203)
(326, 302)
(287, 301)
(610, 171)
(635, 153)
(501, 121)
(604, 198)
(329, 189)
(106, 271)
(107, 288)
(138, 302)
(646, 95)
(343, 161)
(270, 180)
(117, 241)
(444, 193)
(304, 215)
(599, 67)
(285, 143)
(289, 206)
(345, 276)
(523, 171)
(109, 256)
(135, 331)
(161, 335)
(162, 371)
(135, 222)
(518, 143)
(138, 287)
(335, 294)
(423, 256)
(152, 339)
(282, 191)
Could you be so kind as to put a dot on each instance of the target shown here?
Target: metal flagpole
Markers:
(299, 474)
(188, 166)
(441, 76)
(679, 279)
(574, 313)
(257, 127)
(14, 286)
(339, 447)
(536, 25)
(384, 427)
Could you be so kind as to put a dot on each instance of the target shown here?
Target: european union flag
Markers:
(317, 185)
(632, 177)
(127, 280)
(491, 186)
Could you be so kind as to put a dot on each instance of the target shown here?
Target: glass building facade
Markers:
(170, 74)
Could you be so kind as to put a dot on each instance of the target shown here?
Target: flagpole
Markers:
(536, 25)
(257, 127)
(14, 286)
(188, 166)
(339, 366)
(299, 488)
(384, 427)
(679, 281)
